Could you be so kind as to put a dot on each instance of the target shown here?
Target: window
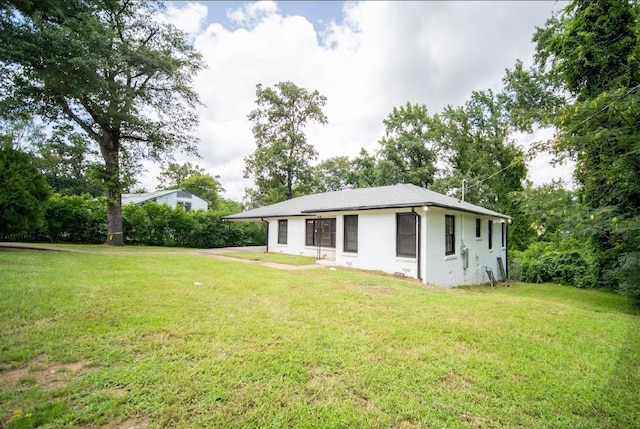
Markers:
(283, 226)
(321, 232)
(406, 235)
(490, 235)
(449, 235)
(186, 206)
(502, 232)
(351, 233)
(478, 228)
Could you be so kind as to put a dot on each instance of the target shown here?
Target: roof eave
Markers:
(401, 206)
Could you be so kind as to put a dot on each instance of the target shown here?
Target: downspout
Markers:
(266, 222)
(317, 232)
(506, 249)
(418, 242)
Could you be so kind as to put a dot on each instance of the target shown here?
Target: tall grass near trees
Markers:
(170, 340)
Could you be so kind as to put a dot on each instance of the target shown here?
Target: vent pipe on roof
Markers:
(464, 185)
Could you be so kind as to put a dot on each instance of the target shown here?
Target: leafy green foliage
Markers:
(81, 219)
(585, 82)
(172, 174)
(205, 186)
(332, 174)
(549, 211)
(630, 265)
(130, 90)
(554, 250)
(69, 163)
(156, 224)
(542, 263)
(74, 219)
(477, 146)
(23, 192)
(280, 165)
(408, 153)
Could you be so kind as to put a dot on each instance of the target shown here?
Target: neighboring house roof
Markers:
(151, 196)
(396, 196)
(147, 196)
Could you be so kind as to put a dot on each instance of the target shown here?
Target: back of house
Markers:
(400, 229)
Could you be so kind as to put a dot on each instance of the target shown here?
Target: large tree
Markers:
(408, 153)
(280, 163)
(111, 68)
(332, 174)
(477, 146)
(588, 59)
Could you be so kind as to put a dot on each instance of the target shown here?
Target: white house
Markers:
(401, 229)
(171, 197)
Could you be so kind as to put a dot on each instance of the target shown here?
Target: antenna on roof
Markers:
(464, 185)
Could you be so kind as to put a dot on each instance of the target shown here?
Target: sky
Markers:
(365, 57)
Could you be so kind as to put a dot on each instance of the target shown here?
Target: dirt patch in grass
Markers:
(381, 291)
(454, 380)
(117, 392)
(49, 375)
(132, 423)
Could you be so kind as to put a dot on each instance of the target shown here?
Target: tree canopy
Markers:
(587, 71)
(109, 67)
(280, 163)
(408, 152)
(23, 191)
(172, 174)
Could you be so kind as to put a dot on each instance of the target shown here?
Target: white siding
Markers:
(377, 245)
(448, 270)
(172, 200)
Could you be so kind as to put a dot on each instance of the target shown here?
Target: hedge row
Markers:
(83, 219)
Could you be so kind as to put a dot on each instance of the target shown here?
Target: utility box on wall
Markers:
(465, 257)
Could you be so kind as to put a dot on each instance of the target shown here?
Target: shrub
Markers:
(565, 267)
(73, 219)
(631, 277)
(83, 219)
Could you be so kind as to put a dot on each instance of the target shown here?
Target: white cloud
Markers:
(380, 55)
(188, 18)
(251, 13)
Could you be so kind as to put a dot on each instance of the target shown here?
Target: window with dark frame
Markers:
(283, 226)
(450, 234)
(406, 235)
(186, 206)
(351, 233)
(320, 232)
(478, 228)
(502, 232)
(490, 235)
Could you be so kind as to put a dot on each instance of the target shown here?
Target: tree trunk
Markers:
(111, 154)
(115, 237)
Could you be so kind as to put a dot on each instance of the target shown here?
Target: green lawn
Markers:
(120, 341)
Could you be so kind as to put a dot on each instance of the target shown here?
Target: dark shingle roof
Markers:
(396, 196)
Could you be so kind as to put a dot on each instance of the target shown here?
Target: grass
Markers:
(119, 341)
(103, 248)
(279, 258)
